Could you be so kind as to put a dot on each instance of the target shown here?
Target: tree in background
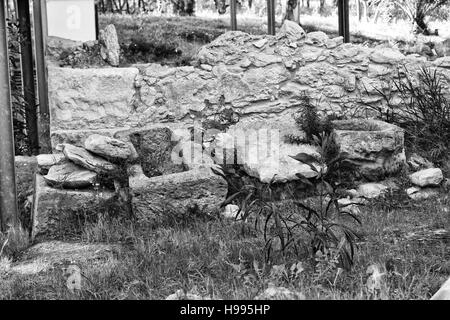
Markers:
(418, 10)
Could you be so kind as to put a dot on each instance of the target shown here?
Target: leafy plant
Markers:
(304, 228)
(424, 112)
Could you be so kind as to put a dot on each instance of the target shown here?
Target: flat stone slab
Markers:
(178, 192)
(54, 209)
(109, 148)
(86, 159)
(46, 161)
(70, 175)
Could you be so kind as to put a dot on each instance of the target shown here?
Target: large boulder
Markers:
(86, 159)
(55, 210)
(427, 178)
(199, 189)
(376, 147)
(71, 176)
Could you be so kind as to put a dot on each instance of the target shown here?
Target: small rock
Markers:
(260, 43)
(231, 212)
(109, 148)
(292, 31)
(417, 162)
(86, 159)
(69, 175)
(280, 293)
(45, 161)
(427, 177)
(371, 190)
(351, 206)
(317, 37)
(416, 193)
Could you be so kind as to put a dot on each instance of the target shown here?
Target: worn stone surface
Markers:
(175, 193)
(90, 98)
(427, 177)
(109, 148)
(371, 190)
(110, 48)
(45, 161)
(231, 211)
(86, 159)
(291, 30)
(155, 147)
(54, 209)
(376, 147)
(418, 194)
(70, 175)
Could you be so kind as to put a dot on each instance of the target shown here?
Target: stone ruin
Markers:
(134, 126)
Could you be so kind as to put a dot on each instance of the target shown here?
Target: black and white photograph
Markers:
(222, 157)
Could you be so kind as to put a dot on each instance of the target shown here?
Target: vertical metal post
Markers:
(40, 30)
(233, 9)
(26, 51)
(97, 25)
(271, 16)
(344, 20)
(8, 197)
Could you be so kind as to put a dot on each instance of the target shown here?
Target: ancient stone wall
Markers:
(260, 77)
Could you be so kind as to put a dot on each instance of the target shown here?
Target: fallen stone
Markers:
(417, 194)
(110, 48)
(350, 205)
(375, 147)
(87, 160)
(46, 161)
(280, 293)
(443, 62)
(371, 190)
(231, 212)
(417, 162)
(279, 166)
(317, 38)
(70, 175)
(109, 148)
(198, 189)
(260, 43)
(54, 210)
(292, 31)
(386, 55)
(427, 177)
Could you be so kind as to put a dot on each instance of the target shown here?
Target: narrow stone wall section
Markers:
(260, 77)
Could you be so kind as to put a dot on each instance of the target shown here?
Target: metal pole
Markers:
(40, 30)
(26, 51)
(233, 5)
(8, 196)
(271, 16)
(344, 20)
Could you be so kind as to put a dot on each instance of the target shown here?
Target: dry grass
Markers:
(225, 259)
